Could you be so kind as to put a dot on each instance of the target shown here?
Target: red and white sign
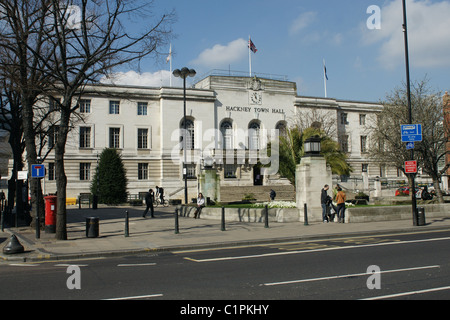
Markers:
(411, 166)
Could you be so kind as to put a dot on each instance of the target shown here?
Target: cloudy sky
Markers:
(364, 60)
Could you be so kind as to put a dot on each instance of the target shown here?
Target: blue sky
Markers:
(293, 37)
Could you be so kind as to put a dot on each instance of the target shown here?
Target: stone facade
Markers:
(229, 119)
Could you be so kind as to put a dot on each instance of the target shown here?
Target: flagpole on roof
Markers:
(250, 55)
(169, 59)
(325, 77)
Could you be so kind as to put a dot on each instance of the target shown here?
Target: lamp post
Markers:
(408, 94)
(184, 73)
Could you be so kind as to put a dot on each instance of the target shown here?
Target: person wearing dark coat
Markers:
(323, 202)
(149, 199)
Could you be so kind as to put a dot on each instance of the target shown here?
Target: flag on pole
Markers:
(252, 46)
(169, 57)
(325, 77)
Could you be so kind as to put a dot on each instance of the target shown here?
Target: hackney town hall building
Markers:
(229, 122)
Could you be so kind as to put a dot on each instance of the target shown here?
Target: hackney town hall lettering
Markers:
(255, 109)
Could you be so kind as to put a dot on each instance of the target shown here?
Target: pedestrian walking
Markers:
(340, 200)
(149, 198)
(200, 205)
(323, 201)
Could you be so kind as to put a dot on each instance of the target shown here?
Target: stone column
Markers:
(310, 177)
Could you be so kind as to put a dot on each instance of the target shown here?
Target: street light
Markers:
(184, 73)
(312, 146)
(408, 94)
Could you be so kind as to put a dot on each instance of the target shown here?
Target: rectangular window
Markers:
(230, 171)
(344, 118)
(51, 171)
(190, 170)
(142, 139)
(114, 107)
(344, 143)
(362, 119)
(142, 171)
(114, 138)
(85, 171)
(85, 106)
(54, 104)
(53, 136)
(142, 108)
(363, 144)
(365, 167)
(85, 137)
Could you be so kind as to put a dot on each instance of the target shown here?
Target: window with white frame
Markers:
(85, 171)
(142, 171)
(227, 135)
(114, 138)
(189, 134)
(191, 171)
(142, 139)
(363, 142)
(51, 171)
(114, 107)
(142, 108)
(85, 106)
(253, 136)
(85, 137)
(344, 143)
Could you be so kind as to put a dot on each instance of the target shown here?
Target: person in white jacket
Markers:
(200, 205)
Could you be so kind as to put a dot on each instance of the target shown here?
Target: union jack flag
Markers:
(252, 46)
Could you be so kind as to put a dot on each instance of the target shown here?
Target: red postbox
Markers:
(50, 214)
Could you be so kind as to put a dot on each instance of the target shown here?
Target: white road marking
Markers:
(347, 275)
(137, 297)
(136, 264)
(402, 294)
(316, 250)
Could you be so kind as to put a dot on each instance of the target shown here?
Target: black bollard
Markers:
(127, 227)
(13, 246)
(177, 231)
(305, 212)
(266, 225)
(223, 219)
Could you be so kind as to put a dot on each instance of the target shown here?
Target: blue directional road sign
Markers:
(37, 171)
(411, 132)
(409, 145)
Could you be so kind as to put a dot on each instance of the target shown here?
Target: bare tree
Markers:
(427, 109)
(22, 26)
(60, 47)
(89, 40)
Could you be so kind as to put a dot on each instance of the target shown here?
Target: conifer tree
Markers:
(110, 181)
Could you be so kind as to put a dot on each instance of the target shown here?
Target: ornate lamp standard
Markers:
(184, 73)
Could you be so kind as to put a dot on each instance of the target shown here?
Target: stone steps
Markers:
(260, 193)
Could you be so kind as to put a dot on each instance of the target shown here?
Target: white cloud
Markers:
(220, 55)
(428, 34)
(157, 79)
(302, 21)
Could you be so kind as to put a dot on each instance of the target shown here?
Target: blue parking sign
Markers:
(37, 171)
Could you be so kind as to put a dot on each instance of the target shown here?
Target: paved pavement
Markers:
(158, 234)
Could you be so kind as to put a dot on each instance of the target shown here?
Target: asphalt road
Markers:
(403, 266)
